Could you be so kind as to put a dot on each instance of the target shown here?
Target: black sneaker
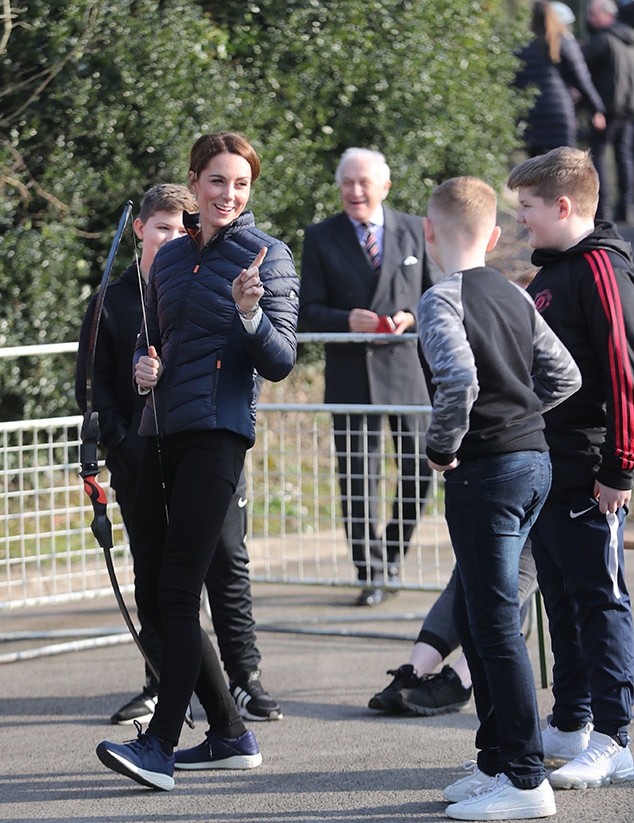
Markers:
(140, 708)
(436, 694)
(389, 699)
(252, 699)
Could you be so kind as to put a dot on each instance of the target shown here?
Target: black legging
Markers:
(201, 472)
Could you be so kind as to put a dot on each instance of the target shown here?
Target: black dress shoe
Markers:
(373, 597)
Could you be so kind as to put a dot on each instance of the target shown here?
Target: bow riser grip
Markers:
(94, 491)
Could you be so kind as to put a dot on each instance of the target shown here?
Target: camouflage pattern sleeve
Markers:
(444, 345)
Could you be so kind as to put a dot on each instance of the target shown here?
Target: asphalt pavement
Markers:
(330, 758)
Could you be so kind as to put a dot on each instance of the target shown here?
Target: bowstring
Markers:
(147, 342)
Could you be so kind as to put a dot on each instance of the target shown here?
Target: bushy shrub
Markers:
(100, 100)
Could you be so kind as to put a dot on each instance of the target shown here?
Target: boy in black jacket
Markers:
(493, 366)
(228, 584)
(585, 292)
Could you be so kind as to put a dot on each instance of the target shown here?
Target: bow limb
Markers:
(101, 525)
(101, 296)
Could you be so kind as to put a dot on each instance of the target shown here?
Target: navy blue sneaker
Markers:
(217, 752)
(142, 759)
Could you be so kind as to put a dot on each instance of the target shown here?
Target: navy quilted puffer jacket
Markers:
(209, 359)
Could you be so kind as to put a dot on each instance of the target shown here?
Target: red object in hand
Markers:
(386, 325)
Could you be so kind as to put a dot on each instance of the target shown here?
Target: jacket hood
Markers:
(604, 236)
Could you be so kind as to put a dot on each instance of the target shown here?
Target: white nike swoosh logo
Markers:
(242, 502)
(583, 511)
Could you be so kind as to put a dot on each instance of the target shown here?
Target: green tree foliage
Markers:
(427, 83)
(100, 99)
(95, 98)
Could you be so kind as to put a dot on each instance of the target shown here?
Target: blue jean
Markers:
(580, 571)
(490, 506)
(438, 628)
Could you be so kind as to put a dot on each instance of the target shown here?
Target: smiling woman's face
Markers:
(223, 188)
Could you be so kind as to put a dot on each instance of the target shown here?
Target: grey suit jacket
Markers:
(336, 278)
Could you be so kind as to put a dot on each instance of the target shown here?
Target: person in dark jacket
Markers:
(119, 405)
(554, 64)
(492, 366)
(347, 289)
(626, 13)
(221, 309)
(609, 54)
(584, 290)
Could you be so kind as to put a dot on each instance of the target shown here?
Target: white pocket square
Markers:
(409, 261)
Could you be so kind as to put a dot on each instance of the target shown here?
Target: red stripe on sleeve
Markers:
(621, 377)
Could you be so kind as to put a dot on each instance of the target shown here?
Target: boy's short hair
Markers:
(169, 197)
(468, 204)
(562, 172)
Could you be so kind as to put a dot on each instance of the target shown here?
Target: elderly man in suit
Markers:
(363, 270)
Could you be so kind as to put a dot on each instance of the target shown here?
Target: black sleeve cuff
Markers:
(439, 458)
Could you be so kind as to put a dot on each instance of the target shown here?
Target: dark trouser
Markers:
(171, 561)
(229, 588)
(491, 505)
(358, 446)
(228, 582)
(580, 571)
(619, 133)
(124, 482)
(438, 629)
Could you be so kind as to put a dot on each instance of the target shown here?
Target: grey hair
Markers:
(353, 153)
(608, 6)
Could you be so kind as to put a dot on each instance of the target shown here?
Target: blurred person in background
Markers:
(609, 53)
(554, 63)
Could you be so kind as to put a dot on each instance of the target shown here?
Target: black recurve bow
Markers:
(88, 456)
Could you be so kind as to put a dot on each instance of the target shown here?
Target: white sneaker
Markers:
(499, 799)
(603, 762)
(465, 787)
(560, 747)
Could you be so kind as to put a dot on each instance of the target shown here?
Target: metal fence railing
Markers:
(295, 529)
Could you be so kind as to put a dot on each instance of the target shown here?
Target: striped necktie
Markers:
(371, 246)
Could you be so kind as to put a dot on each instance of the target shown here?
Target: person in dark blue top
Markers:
(221, 309)
(119, 405)
(553, 64)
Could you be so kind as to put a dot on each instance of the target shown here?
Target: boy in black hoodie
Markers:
(585, 292)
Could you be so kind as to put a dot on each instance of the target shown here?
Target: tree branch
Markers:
(7, 17)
